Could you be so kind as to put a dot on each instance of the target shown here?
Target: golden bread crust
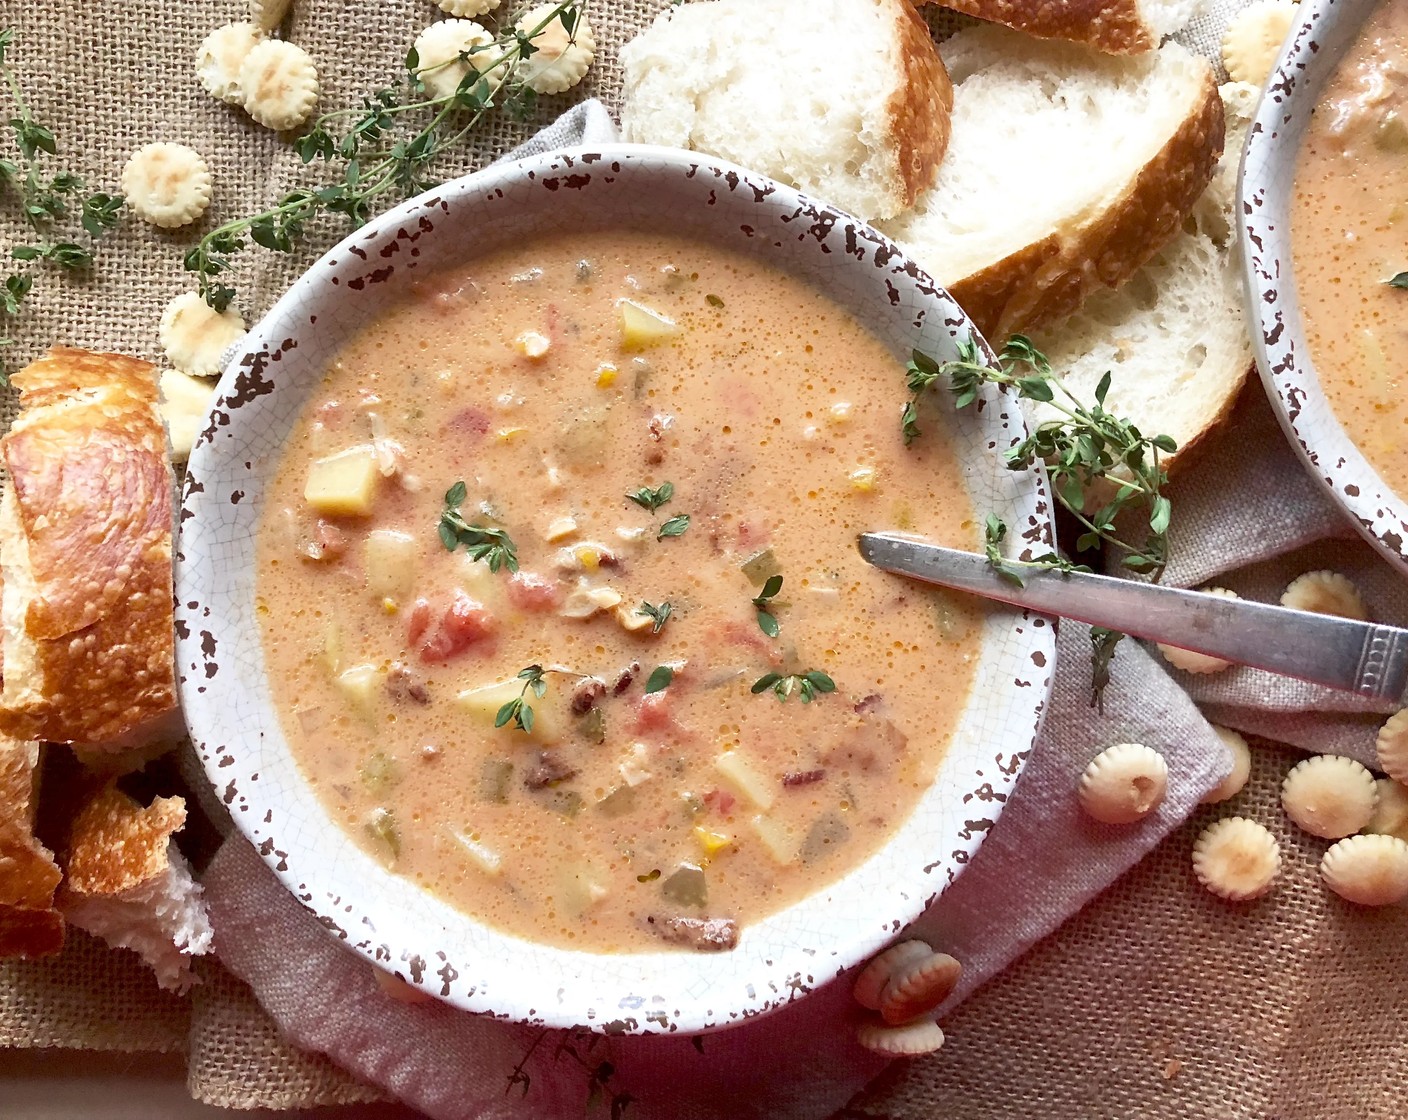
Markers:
(921, 106)
(1039, 285)
(1112, 26)
(115, 844)
(29, 924)
(92, 487)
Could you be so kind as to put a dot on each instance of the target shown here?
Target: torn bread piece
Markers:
(1066, 172)
(752, 81)
(126, 882)
(1114, 26)
(1173, 337)
(85, 548)
(30, 926)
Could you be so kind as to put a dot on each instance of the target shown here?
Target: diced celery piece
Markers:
(760, 567)
(389, 557)
(618, 802)
(687, 886)
(745, 779)
(579, 887)
(382, 827)
(380, 772)
(824, 838)
(344, 485)
(495, 774)
(641, 327)
(484, 703)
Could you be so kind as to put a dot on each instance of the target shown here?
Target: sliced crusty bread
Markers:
(1116, 26)
(85, 548)
(1175, 337)
(125, 881)
(844, 99)
(29, 924)
(1067, 170)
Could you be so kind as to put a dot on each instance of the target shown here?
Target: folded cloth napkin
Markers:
(1040, 867)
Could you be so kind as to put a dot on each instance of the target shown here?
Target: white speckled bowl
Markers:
(1326, 29)
(391, 920)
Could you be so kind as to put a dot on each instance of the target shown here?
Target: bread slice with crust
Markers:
(30, 926)
(85, 548)
(1066, 171)
(126, 882)
(1175, 338)
(844, 99)
(1116, 26)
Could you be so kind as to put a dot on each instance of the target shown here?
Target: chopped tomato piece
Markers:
(532, 592)
(466, 623)
(654, 714)
(720, 801)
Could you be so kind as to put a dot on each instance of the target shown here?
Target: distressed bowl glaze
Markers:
(1325, 31)
(391, 920)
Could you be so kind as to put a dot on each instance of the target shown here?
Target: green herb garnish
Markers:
(767, 621)
(659, 680)
(806, 685)
(1399, 281)
(493, 546)
(675, 527)
(713, 300)
(658, 615)
(379, 158)
(652, 500)
(519, 710)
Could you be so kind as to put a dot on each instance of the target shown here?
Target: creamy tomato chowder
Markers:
(1349, 237)
(561, 602)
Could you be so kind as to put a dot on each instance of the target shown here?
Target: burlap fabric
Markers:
(1256, 1004)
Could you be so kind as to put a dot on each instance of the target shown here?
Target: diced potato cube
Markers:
(777, 838)
(481, 856)
(745, 779)
(579, 887)
(559, 529)
(390, 558)
(332, 647)
(477, 580)
(344, 484)
(483, 705)
(636, 770)
(863, 478)
(359, 686)
(641, 327)
(533, 344)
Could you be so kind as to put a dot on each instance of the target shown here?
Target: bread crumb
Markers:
(1172, 1068)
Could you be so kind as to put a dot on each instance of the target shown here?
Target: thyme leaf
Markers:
(493, 546)
(806, 685)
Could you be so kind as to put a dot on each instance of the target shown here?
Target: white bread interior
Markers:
(21, 676)
(1067, 169)
(761, 83)
(1175, 338)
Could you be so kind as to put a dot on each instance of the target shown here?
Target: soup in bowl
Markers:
(523, 626)
(1325, 240)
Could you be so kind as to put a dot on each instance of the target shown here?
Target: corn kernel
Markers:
(589, 558)
(533, 344)
(506, 434)
(840, 412)
(711, 843)
(863, 478)
(390, 606)
(606, 376)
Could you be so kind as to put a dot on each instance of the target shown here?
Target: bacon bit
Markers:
(802, 777)
(549, 770)
(707, 935)
(330, 415)
(532, 592)
(752, 537)
(869, 703)
(720, 801)
(328, 542)
(466, 623)
(623, 682)
(585, 695)
(404, 683)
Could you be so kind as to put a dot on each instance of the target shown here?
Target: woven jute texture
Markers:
(1156, 1002)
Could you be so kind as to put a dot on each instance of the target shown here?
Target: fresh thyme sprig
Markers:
(658, 615)
(377, 158)
(806, 685)
(651, 501)
(767, 621)
(46, 200)
(660, 679)
(494, 546)
(519, 710)
(1087, 450)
